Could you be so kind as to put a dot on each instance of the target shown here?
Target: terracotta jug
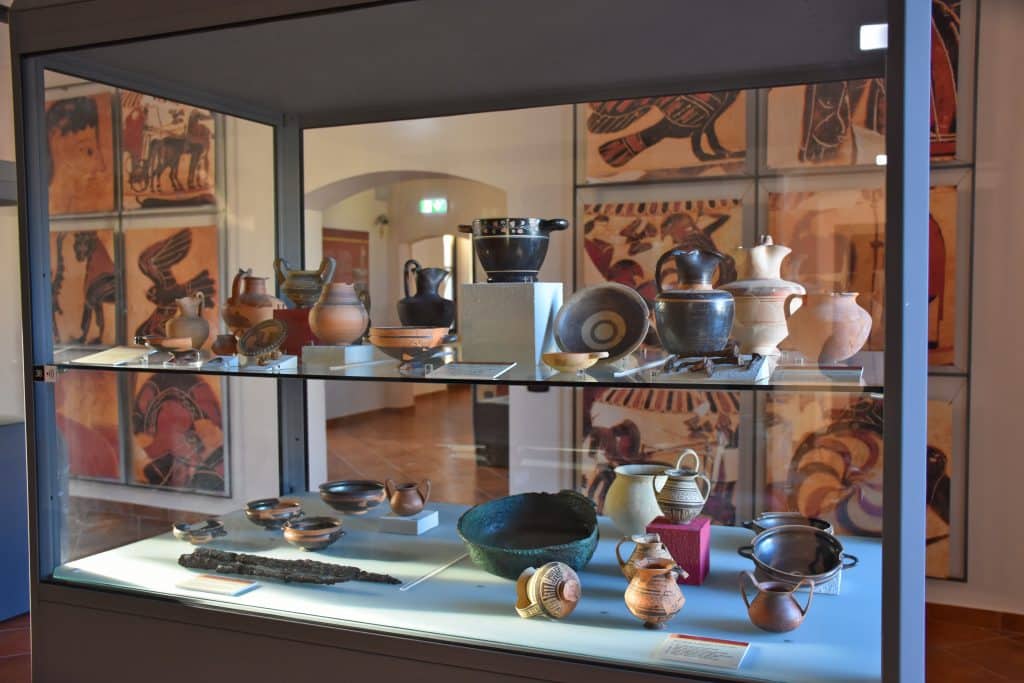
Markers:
(775, 608)
(760, 322)
(647, 547)
(680, 498)
(694, 319)
(249, 303)
(553, 590)
(224, 345)
(189, 321)
(303, 287)
(426, 307)
(630, 502)
(653, 596)
(828, 328)
(338, 318)
(407, 499)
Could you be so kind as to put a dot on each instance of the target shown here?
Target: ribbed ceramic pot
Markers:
(653, 596)
(338, 318)
(189, 321)
(696, 318)
(828, 328)
(630, 501)
(680, 498)
(760, 300)
(552, 590)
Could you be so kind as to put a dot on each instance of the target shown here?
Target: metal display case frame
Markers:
(525, 53)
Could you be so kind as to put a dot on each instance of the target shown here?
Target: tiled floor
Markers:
(970, 650)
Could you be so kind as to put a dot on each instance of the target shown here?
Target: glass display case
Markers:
(529, 346)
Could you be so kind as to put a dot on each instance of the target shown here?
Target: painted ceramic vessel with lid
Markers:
(552, 590)
(760, 321)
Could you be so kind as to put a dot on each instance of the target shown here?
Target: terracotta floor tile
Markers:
(14, 641)
(16, 622)
(943, 667)
(1004, 656)
(16, 669)
(948, 633)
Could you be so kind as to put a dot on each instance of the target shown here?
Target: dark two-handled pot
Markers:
(696, 318)
(512, 249)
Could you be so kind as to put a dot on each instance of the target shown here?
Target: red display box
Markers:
(689, 545)
(299, 334)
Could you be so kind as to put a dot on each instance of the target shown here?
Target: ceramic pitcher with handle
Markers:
(646, 547)
(775, 608)
(407, 499)
(189, 321)
(680, 498)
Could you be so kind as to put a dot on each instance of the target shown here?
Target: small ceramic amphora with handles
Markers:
(407, 499)
(653, 594)
(775, 608)
(680, 498)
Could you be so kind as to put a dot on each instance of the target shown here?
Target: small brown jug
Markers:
(647, 547)
(680, 498)
(775, 608)
(653, 596)
(249, 303)
(407, 499)
(224, 345)
(189, 321)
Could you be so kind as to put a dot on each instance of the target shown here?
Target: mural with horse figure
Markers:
(675, 136)
(83, 286)
(167, 153)
(80, 154)
(164, 264)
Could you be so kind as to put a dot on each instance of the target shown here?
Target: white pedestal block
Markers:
(508, 321)
(413, 525)
(328, 356)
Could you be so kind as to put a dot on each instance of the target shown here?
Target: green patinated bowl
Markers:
(507, 535)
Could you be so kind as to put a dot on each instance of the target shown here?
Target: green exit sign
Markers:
(438, 205)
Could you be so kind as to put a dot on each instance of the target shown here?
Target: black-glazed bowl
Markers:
(272, 513)
(512, 249)
(607, 317)
(199, 533)
(507, 535)
(353, 496)
(312, 533)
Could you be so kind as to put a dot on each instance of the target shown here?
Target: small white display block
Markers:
(327, 356)
(506, 322)
(413, 525)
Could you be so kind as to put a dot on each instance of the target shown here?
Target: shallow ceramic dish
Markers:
(353, 496)
(199, 533)
(507, 535)
(564, 361)
(272, 513)
(263, 340)
(793, 553)
(409, 336)
(608, 317)
(312, 533)
(770, 520)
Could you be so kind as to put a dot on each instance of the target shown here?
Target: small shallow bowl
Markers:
(770, 520)
(607, 317)
(199, 533)
(272, 513)
(407, 336)
(312, 533)
(563, 361)
(507, 535)
(793, 553)
(165, 344)
(353, 496)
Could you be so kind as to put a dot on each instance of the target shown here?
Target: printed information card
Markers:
(723, 654)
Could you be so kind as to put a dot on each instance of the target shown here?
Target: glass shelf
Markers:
(641, 369)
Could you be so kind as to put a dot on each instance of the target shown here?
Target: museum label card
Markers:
(221, 585)
(471, 371)
(723, 654)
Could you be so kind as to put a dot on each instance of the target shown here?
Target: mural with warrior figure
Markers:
(167, 153)
(83, 286)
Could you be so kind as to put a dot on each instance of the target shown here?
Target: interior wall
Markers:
(994, 542)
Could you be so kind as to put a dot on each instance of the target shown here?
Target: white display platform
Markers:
(839, 641)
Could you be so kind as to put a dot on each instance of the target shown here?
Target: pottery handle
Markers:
(849, 561)
(281, 268)
(679, 570)
(707, 483)
(743, 588)
(810, 596)
(554, 224)
(789, 300)
(466, 229)
(237, 283)
(389, 488)
(411, 267)
(661, 263)
(693, 454)
(419, 490)
(327, 266)
(746, 551)
(618, 554)
(200, 301)
(654, 484)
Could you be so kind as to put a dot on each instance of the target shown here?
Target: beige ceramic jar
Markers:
(828, 328)
(630, 501)
(338, 318)
(189, 321)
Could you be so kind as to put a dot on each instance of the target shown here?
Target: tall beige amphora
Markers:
(338, 318)
(630, 501)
